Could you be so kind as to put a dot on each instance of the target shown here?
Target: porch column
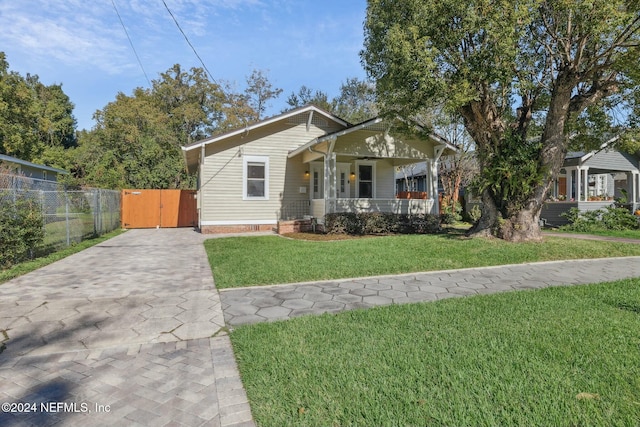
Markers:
(582, 184)
(586, 183)
(635, 187)
(432, 167)
(569, 183)
(330, 181)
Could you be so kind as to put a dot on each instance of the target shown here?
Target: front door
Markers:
(317, 180)
(342, 184)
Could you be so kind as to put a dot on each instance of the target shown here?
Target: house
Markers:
(592, 181)
(304, 164)
(589, 181)
(32, 170)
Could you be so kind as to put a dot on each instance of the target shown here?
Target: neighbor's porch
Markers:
(590, 189)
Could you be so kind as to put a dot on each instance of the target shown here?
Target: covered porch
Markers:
(353, 171)
(593, 181)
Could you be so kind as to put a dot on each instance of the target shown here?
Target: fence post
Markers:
(66, 216)
(96, 215)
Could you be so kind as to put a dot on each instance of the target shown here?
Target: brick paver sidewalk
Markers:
(268, 303)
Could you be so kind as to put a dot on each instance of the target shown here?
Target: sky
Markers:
(82, 45)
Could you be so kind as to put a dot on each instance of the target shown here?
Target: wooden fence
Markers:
(159, 208)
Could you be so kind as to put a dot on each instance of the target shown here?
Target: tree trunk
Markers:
(523, 226)
(502, 218)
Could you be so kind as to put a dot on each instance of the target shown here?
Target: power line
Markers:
(187, 39)
(130, 42)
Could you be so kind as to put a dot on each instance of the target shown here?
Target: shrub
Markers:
(611, 218)
(380, 223)
(473, 215)
(21, 229)
(447, 218)
(614, 218)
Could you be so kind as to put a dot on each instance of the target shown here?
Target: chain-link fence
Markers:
(69, 216)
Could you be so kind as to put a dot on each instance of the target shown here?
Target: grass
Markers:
(557, 356)
(29, 266)
(245, 261)
(56, 232)
(628, 234)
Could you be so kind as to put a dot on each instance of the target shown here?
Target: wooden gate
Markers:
(159, 208)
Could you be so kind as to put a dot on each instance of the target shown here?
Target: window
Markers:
(255, 180)
(365, 181)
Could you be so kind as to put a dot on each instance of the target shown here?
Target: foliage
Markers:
(306, 96)
(34, 118)
(610, 218)
(137, 140)
(474, 214)
(509, 175)
(355, 103)
(449, 218)
(380, 223)
(259, 91)
(457, 170)
(530, 78)
(21, 228)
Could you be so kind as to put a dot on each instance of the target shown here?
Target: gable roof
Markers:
(266, 122)
(15, 160)
(375, 124)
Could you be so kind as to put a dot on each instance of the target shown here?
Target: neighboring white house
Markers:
(301, 164)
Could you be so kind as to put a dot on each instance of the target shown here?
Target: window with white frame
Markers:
(255, 178)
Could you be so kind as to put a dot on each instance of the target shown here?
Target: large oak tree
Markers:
(529, 78)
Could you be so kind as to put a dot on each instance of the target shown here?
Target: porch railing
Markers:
(296, 210)
(397, 206)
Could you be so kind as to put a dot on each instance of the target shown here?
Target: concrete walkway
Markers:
(269, 303)
(128, 332)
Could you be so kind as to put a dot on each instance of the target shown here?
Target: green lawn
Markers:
(551, 357)
(244, 261)
(629, 234)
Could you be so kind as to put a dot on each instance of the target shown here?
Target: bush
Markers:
(21, 229)
(474, 214)
(619, 219)
(447, 218)
(611, 218)
(380, 223)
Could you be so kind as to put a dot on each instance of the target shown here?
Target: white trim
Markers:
(255, 159)
(240, 222)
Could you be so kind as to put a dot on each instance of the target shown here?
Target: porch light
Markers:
(353, 175)
(306, 173)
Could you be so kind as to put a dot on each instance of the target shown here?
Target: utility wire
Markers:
(130, 42)
(187, 39)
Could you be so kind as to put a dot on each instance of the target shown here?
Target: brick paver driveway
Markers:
(128, 332)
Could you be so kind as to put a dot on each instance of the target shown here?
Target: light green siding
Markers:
(221, 187)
